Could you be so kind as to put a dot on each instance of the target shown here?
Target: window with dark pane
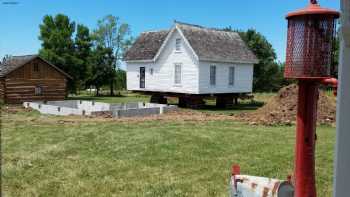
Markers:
(177, 74)
(212, 75)
(231, 77)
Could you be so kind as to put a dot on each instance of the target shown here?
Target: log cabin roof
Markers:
(209, 44)
(16, 62)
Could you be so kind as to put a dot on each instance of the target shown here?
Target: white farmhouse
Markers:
(190, 62)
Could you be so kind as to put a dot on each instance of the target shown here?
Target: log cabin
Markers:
(30, 78)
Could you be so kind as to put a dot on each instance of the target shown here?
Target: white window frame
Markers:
(231, 76)
(212, 76)
(177, 76)
(178, 44)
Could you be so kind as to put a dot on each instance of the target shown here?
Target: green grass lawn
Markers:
(69, 156)
(243, 106)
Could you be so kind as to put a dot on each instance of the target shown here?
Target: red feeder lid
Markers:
(313, 9)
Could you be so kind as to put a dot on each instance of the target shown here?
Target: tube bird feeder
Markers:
(309, 58)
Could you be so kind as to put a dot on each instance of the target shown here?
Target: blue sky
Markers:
(19, 23)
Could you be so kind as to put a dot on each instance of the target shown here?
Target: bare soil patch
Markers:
(13, 109)
(179, 115)
(278, 110)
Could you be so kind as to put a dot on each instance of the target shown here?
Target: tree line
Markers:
(91, 57)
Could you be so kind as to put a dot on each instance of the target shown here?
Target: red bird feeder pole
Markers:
(309, 56)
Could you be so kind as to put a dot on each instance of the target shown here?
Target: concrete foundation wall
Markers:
(71, 104)
(74, 107)
(55, 110)
(123, 106)
(90, 106)
(163, 108)
(93, 106)
(136, 112)
(169, 108)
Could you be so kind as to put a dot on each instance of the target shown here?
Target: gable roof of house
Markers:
(209, 45)
(146, 45)
(16, 62)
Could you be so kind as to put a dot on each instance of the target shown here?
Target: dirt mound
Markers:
(282, 109)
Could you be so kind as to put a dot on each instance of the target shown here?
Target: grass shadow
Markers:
(241, 107)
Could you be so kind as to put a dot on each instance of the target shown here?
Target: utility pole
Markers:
(342, 155)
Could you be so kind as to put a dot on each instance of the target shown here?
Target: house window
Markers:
(231, 76)
(151, 71)
(36, 68)
(177, 79)
(178, 44)
(38, 90)
(212, 75)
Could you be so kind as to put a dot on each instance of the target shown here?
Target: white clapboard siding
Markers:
(162, 79)
(242, 80)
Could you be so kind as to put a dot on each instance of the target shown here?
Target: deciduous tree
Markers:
(83, 46)
(113, 34)
(102, 67)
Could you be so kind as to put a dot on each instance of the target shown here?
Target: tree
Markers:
(58, 45)
(335, 63)
(281, 81)
(121, 79)
(267, 72)
(102, 63)
(5, 59)
(82, 56)
(83, 46)
(267, 69)
(115, 35)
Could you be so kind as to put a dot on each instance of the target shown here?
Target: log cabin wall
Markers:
(36, 80)
(2, 89)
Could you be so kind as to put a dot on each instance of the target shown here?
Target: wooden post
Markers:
(191, 101)
(182, 101)
(223, 101)
(158, 98)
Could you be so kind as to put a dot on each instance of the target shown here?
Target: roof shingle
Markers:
(217, 45)
(146, 46)
(209, 44)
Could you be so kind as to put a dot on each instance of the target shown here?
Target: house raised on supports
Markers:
(190, 62)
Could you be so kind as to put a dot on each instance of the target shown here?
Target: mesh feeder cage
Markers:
(309, 56)
(311, 34)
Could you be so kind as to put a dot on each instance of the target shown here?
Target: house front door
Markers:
(142, 77)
